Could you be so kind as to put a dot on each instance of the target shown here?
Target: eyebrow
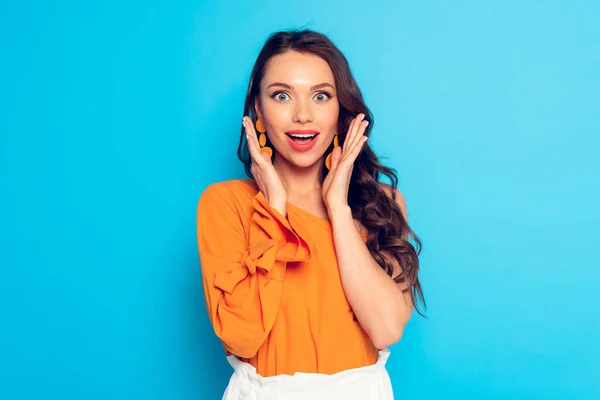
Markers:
(319, 86)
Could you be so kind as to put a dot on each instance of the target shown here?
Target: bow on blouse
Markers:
(261, 255)
(271, 239)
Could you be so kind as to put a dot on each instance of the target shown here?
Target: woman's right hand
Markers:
(263, 171)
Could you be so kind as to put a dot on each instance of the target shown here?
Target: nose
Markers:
(302, 112)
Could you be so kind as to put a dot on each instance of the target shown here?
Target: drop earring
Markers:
(335, 144)
(262, 138)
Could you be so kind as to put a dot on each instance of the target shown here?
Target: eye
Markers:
(280, 96)
(322, 96)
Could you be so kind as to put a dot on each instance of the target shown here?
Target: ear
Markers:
(257, 108)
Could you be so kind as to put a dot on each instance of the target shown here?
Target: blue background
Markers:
(115, 116)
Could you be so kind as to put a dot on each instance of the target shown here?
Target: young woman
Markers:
(307, 269)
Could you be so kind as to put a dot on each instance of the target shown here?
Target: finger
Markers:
(356, 150)
(348, 135)
(266, 156)
(349, 158)
(335, 157)
(352, 131)
(359, 129)
(359, 136)
(253, 145)
(259, 157)
(361, 133)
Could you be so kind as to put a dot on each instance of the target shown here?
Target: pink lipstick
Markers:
(302, 140)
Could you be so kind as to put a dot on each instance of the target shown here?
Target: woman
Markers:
(307, 269)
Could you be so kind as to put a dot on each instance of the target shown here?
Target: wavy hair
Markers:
(388, 231)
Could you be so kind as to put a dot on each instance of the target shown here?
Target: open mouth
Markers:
(302, 138)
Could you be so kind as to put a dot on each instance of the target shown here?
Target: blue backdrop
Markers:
(115, 116)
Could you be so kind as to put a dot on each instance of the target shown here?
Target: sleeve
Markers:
(243, 276)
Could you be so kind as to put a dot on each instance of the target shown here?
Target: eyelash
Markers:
(274, 95)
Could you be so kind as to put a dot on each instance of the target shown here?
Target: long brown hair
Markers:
(388, 230)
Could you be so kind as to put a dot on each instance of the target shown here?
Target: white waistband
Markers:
(300, 380)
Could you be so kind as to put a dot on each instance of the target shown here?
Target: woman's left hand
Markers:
(336, 184)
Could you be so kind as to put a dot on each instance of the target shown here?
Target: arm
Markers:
(243, 277)
(378, 302)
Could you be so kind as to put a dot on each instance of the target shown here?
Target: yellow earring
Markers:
(262, 138)
(328, 159)
(260, 125)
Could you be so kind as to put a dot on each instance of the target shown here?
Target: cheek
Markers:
(328, 116)
(276, 117)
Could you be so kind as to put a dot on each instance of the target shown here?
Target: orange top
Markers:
(272, 285)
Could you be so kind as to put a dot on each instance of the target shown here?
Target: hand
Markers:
(336, 184)
(263, 171)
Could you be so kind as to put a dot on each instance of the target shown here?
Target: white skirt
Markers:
(365, 383)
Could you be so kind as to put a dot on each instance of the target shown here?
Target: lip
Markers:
(305, 132)
(303, 146)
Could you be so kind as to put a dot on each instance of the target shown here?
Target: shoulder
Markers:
(399, 197)
(227, 193)
(229, 188)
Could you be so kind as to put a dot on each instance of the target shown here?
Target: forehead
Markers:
(297, 69)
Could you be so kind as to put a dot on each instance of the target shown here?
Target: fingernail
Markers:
(362, 117)
(367, 124)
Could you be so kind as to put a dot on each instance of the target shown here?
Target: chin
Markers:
(304, 161)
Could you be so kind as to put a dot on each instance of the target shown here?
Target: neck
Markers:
(298, 180)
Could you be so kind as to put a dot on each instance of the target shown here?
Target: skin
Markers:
(307, 100)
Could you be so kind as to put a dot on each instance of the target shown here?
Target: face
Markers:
(299, 105)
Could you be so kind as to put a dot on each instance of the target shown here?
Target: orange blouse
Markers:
(272, 285)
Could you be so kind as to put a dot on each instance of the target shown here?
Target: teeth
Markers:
(303, 136)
